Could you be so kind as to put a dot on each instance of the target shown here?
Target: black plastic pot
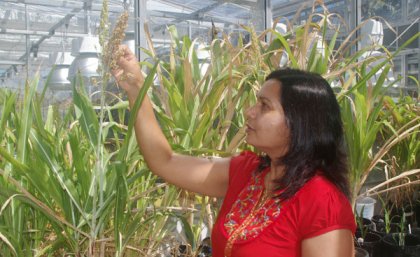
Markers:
(204, 250)
(370, 242)
(391, 248)
(417, 212)
(181, 251)
(360, 252)
(416, 232)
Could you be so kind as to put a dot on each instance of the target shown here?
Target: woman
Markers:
(293, 200)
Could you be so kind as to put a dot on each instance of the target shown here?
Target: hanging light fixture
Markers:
(282, 29)
(204, 56)
(86, 52)
(58, 79)
(203, 52)
(372, 35)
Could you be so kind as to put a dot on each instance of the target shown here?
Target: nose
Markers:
(250, 112)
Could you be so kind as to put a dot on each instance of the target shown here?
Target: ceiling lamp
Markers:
(86, 52)
(203, 52)
(58, 78)
(204, 56)
(282, 29)
(372, 34)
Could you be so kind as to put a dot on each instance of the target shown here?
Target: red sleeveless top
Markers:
(250, 223)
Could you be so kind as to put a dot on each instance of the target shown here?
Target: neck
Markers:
(276, 172)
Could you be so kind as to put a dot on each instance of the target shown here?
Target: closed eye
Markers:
(264, 105)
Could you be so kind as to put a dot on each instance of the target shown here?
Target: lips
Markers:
(249, 128)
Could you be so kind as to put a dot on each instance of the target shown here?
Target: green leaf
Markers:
(26, 119)
(6, 111)
(286, 46)
(9, 244)
(120, 202)
(188, 231)
(85, 113)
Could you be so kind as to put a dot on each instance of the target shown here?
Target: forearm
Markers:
(152, 142)
(188, 172)
(195, 174)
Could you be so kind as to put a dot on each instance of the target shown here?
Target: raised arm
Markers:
(200, 175)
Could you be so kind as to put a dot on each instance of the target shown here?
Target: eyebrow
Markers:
(260, 97)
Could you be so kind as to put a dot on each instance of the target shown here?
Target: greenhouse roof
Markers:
(38, 28)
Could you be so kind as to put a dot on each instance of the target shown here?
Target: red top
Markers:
(251, 224)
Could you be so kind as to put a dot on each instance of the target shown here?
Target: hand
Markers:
(128, 72)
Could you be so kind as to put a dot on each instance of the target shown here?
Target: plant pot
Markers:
(204, 250)
(370, 243)
(360, 252)
(417, 213)
(365, 207)
(181, 251)
(416, 232)
(391, 247)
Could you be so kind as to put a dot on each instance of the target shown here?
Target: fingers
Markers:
(127, 57)
(120, 56)
(127, 51)
(123, 58)
(127, 70)
(117, 74)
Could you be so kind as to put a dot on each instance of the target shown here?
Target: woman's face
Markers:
(266, 124)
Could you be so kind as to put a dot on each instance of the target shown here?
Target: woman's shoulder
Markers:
(319, 181)
(244, 159)
(246, 154)
(319, 187)
(242, 166)
(320, 207)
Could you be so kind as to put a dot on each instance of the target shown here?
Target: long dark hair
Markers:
(316, 133)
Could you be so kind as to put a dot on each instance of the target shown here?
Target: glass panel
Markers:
(413, 8)
(406, 32)
(192, 17)
(413, 70)
(196, 18)
(205, 20)
(288, 10)
(388, 9)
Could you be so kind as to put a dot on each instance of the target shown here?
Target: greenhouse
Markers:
(209, 128)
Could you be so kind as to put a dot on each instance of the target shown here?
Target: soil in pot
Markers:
(391, 247)
(370, 242)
